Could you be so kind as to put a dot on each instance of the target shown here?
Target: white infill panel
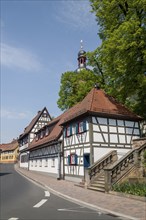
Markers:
(98, 137)
(122, 139)
(113, 138)
(106, 137)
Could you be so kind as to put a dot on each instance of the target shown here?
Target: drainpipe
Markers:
(59, 167)
(91, 140)
(59, 162)
(28, 159)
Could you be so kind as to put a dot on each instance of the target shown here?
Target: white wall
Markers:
(100, 152)
(42, 165)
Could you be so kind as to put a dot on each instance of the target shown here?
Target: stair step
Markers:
(98, 185)
(96, 189)
(99, 180)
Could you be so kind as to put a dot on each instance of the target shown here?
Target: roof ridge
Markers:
(93, 91)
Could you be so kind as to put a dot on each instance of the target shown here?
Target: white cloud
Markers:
(12, 114)
(13, 57)
(76, 13)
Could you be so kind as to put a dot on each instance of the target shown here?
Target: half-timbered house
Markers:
(39, 121)
(46, 149)
(94, 127)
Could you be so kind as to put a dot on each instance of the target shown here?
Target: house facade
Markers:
(93, 128)
(39, 121)
(9, 152)
(46, 152)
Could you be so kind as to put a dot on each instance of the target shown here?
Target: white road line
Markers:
(40, 203)
(47, 194)
(13, 218)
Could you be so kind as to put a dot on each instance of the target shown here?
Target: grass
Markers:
(137, 189)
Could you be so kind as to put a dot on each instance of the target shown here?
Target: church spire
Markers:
(81, 58)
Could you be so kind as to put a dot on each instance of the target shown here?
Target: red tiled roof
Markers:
(55, 133)
(96, 102)
(32, 123)
(9, 146)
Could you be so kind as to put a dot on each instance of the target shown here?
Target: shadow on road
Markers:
(3, 174)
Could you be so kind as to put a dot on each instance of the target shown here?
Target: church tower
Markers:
(81, 58)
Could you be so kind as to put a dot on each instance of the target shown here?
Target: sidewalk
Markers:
(125, 208)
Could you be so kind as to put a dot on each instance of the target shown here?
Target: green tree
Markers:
(74, 87)
(121, 58)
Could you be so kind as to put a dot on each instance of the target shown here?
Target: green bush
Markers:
(137, 189)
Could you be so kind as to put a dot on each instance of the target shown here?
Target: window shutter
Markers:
(77, 130)
(70, 130)
(64, 132)
(68, 159)
(84, 126)
(76, 159)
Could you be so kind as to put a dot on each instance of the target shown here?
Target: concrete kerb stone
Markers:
(100, 210)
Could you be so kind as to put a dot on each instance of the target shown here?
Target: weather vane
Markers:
(81, 44)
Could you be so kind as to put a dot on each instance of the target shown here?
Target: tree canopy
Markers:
(119, 63)
(121, 58)
(74, 87)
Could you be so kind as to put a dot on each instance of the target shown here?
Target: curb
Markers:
(100, 210)
(139, 198)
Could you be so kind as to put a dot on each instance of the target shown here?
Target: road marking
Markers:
(13, 218)
(47, 194)
(40, 203)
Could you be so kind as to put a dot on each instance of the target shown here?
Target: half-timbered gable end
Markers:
(94, 127)
(39, 121)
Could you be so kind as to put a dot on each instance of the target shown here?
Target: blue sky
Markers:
(40, 40)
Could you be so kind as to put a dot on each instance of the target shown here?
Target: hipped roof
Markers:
(96, 102)
(99, 103)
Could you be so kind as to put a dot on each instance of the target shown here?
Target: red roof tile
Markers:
(9, 146)
(96, 102)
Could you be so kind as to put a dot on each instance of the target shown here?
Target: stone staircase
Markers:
(98, 184)
(96, 171)
(108, 170)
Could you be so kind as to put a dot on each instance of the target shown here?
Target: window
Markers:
(40, 164)
(72, 159)
(68, 131)
(42, 134)
(37, 136)
(46, 162)
(81, 127)
(47, 132)
(53, 162)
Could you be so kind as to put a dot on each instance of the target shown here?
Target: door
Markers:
(86, 160)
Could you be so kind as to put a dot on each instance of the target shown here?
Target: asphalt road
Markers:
(21, 199)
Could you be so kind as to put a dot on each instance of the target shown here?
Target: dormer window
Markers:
(37, 136)
(42, 134)
(47, 132)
